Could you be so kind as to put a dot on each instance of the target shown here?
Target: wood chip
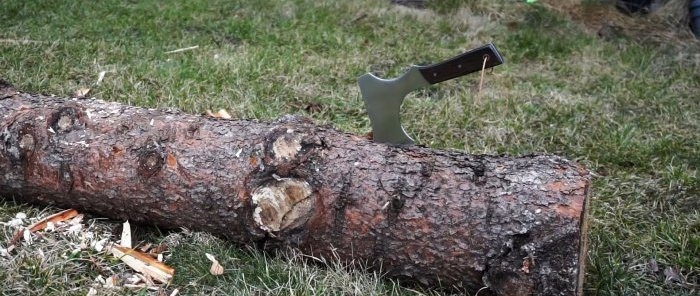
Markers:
(91, 292)
(42, 224)
(27, 235)
(135, 286)
(111, 281)
(142, 263)
(126, 235)
(100, 77)
(145, 247)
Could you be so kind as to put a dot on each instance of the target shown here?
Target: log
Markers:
(516, 225)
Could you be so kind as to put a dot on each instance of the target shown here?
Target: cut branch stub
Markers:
(281, 205)
(286, 146)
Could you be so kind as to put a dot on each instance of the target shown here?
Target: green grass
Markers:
(627, 109)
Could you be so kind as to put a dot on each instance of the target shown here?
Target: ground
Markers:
(621, 101)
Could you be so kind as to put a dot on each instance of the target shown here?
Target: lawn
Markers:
(627, 107)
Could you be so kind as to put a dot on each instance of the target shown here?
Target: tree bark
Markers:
(439, 218)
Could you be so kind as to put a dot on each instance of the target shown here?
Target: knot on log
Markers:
(27, 142)
(282, 205)
(19, 142)
(286, 146)
(6, 89)
(151, 160)
(67, 119)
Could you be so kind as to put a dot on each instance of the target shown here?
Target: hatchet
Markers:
(383, 97)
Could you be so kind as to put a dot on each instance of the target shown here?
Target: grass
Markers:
(625, 107)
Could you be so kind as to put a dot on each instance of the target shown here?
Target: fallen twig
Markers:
(183, 49)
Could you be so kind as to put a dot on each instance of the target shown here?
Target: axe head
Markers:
(383, 99)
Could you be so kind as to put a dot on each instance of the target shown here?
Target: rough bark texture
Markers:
(515, 225)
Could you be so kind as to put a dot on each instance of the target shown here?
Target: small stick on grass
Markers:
(183, 49)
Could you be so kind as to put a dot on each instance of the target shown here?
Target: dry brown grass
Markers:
(668, 24)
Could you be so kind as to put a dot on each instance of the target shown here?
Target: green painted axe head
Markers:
(383, 97)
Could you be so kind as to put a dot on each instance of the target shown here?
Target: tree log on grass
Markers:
(439, 218)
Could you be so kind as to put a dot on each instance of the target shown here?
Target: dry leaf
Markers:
(159, 249)
(126, 235)
(313, 107)
(142, 263)
(224, 114)
(81, 92)
(219, 114)
(359, 17)
(672, 275)
(216, 268)
(94, 264)
(653, 265)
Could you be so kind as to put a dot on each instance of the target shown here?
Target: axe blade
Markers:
(383, 99)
